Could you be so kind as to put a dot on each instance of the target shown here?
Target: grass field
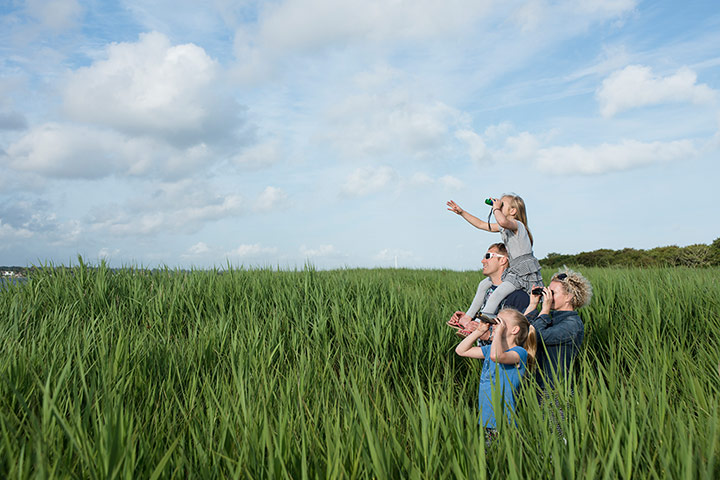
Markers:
(340, 374)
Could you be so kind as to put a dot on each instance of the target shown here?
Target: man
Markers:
(558, 327)
(494, 263)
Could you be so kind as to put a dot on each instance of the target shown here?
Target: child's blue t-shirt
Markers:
(509, 384)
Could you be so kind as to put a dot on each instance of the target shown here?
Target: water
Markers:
(10, 281)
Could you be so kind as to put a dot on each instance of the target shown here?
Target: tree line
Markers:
(698, 255)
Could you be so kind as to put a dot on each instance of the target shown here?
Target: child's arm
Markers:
(499, 349)
(472, 219)
(467, 347)
(502, 220)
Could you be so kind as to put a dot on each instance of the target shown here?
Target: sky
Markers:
(331, 133)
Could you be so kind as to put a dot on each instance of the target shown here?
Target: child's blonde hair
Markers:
(518, 204)
(526, 337)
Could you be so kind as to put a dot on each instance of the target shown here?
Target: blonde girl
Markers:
(511, 353)
(523, 272)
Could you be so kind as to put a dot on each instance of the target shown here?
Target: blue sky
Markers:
(332, 132)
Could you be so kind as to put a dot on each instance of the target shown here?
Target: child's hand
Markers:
(500, 326)
(454, 207)
(497, 203)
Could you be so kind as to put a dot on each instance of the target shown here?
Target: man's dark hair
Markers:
(500, 247)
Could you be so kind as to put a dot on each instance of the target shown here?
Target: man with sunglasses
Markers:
(494, 263)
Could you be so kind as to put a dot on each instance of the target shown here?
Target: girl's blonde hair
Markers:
(577, 286)
(526, 337)
(518, 204)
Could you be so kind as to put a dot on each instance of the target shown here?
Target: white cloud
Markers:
(446, 181)
(293, 30)
(476, 145)
(258, 156)
(612, 157)
(251, 251)
(534, 15)
(321, 251)
(302, 25)
(178, 207)
(199, 248)
(392, 255)
(106, 253)
(603, 8)
(366, 180)
(55, 15)
(8, 233)
(530, 14)
(270, 199)
(637, 86)
(521, 147)
(57, 150)
(154, 88)
(78, 151)
(451, 183)
(421, 178)
(388, 123)
(535, 149)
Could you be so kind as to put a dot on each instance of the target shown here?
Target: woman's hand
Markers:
(454, 207)
(547, 301)
(534, 301)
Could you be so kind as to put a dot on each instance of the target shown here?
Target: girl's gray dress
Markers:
(524, 269)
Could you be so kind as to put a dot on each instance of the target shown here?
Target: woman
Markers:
(560, 330)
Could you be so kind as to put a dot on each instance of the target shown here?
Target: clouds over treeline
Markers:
(189, 117)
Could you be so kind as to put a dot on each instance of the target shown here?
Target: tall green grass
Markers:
(340, 374)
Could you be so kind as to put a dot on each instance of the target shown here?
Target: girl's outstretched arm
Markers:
(472, 219)
(499, 348)
(467, 347)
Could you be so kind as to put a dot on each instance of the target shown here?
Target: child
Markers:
(512, 352)
(524, 270)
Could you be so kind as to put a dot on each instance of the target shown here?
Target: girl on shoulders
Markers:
(524, 270)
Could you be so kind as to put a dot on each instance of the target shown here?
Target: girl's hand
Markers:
(497, 203)
(500, 326)
(454, 207)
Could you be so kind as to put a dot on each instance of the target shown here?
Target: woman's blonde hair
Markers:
(576, 285)
(518, 204)
(526, 337)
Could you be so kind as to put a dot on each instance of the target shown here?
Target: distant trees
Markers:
(698, 255)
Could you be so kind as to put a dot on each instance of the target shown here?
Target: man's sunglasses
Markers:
(489, 255)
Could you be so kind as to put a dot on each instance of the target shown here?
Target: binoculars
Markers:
(486, 319)
(488, 201)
